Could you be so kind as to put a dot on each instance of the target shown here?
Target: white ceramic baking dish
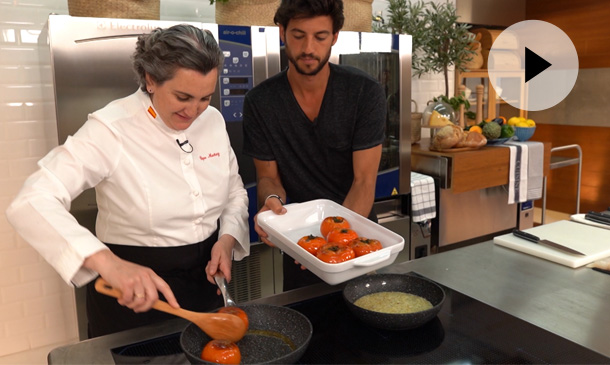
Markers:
(303, 219)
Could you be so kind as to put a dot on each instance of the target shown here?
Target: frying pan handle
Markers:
(374, 258)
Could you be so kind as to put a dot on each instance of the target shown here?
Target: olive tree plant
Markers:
(439, 41)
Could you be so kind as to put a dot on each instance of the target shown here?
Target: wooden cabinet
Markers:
(489, 106)
(472, 202)
(465, 171)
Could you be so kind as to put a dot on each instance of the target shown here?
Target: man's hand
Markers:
(275, 205)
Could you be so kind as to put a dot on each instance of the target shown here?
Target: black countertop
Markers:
(502, 307)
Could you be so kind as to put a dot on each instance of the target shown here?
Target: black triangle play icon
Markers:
(534, 64)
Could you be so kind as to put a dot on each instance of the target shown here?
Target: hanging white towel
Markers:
(518, 172)
(526, 171)
(423, 202)
(535, 170)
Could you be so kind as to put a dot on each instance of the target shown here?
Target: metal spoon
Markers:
(222, 284)
(219, 326)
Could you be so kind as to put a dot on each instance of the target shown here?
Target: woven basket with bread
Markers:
(453, 137)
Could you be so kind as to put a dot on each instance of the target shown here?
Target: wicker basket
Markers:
(358, 15)
(127, 9)
(246, 12)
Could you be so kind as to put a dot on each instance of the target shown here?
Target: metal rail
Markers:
(558, 162)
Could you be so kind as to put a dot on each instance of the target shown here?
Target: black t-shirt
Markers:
(315, 158)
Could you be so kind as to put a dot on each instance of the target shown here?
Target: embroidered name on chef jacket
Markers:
(210, 155)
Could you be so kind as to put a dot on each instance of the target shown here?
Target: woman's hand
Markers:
(222, 258)
(139, 284)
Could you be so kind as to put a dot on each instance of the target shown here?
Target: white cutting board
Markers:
(580, 218)
(594, 242)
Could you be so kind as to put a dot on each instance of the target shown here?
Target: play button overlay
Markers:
(532, 65)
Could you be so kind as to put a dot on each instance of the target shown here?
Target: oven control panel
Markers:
(236, 75)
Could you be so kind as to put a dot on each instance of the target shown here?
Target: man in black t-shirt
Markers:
(314, 130)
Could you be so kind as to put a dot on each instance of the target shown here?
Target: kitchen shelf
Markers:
(460, 78)
(498, 101)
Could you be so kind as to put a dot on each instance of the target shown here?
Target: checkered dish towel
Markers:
(423, 203)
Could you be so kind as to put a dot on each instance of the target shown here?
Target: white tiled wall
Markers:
(36, 307)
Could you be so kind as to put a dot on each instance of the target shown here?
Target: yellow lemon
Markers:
(522, 124)
(531, 123)
(513, 121)
(521, 119)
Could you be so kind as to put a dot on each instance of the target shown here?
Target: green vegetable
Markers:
(507, 131)
(492, 130)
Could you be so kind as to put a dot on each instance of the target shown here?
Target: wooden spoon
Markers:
(219, 326)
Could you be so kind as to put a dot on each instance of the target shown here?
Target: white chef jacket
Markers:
(149, 191)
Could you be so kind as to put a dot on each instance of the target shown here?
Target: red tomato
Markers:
(342, 235)
(221, 352)
(330, 223)
(334, 253)
(236, 311)
(362, 246)
(311, 243)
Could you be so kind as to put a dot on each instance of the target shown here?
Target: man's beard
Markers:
(313, 72)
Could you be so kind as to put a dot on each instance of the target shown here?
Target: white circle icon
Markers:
(534, 63)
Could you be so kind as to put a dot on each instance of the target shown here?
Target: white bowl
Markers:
(303, 219)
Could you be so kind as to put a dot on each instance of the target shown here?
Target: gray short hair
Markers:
(161, 52)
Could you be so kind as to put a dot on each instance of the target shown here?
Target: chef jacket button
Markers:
(197, 221)
(196, 193)
(187, 161)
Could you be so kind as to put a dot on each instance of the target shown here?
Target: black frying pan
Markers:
(368, 284)
(277, 335)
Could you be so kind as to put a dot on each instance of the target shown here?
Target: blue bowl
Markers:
(524, 133)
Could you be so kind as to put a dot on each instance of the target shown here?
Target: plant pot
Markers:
(246, 12)
(126, 9)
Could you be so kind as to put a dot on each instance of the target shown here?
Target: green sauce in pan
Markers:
(393, 302)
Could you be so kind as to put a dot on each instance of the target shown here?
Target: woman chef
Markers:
(172, 209)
